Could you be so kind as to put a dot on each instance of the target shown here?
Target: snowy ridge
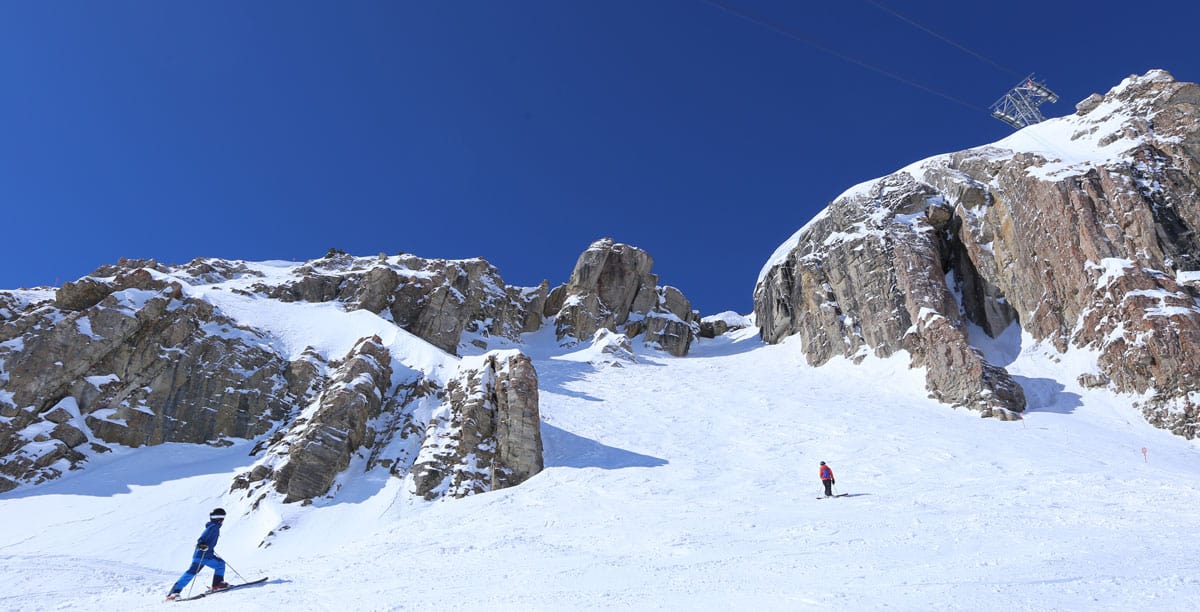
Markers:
(730, 318)
(325, 326)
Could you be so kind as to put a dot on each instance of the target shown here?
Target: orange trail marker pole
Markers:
(1144, 457)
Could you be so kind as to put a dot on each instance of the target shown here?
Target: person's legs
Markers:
(218, 566)
(187, 576)
(828, 488)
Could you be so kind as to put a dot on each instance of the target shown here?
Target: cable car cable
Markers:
(820, 47)
(930, 32)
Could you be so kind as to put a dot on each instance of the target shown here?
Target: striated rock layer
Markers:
(1082, 230)
(320, 443)
(486, 435)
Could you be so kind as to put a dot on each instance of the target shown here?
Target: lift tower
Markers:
(1019, 107)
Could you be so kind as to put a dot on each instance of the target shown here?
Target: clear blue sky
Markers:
(519, 131)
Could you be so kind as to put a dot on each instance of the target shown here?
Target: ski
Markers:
(230, 588)
(832, 496)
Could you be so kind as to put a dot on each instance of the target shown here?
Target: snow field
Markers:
(677, 484)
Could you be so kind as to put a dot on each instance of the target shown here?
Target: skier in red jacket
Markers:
(827, 479)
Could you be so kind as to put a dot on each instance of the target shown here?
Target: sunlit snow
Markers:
(677, 484)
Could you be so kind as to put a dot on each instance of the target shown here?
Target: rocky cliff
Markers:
(1082, 230)
(487, 434)
(448, 303)
(141, 353)
(128, 359)
(612, 288)
(332, 364)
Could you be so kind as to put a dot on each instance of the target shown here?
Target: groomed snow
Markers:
(677, 484)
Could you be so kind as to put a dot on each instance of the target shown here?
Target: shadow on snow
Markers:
(565, 449)
(106, 476)
(1047, 395)
(553, 377)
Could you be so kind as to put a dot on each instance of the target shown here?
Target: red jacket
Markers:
(826, 473)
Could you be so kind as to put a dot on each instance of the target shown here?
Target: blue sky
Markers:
(517, 131)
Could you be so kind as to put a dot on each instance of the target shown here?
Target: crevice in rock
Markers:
(1153, 174)
(981, 301)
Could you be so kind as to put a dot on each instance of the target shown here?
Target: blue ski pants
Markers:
(200, 559)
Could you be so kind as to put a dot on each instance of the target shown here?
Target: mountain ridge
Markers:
(1082, 230)
(143, 353)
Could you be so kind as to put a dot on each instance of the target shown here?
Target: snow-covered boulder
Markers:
(722, 322)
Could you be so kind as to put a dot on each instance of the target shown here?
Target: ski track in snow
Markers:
(676, 484)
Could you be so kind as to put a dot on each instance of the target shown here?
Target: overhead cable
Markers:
(941, 38)
(824, 49)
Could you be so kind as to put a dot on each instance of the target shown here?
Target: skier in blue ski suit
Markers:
(205, 554)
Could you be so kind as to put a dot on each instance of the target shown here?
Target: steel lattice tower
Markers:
(1019, 107)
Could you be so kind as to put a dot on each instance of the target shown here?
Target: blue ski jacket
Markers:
(212, 531)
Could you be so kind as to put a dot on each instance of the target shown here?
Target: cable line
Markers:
(846, 58)
(940, 37)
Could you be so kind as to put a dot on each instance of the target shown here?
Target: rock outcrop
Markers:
(722, 323)
(143, 364)
(140, 353)
(446, 302)
(612, 288)
(481, 432)
(1097, 250)
(320, 443)
(486, 435)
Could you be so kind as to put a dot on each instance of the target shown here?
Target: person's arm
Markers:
(206, 539)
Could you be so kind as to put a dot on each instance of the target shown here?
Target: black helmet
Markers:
(218, 514)
(822, 463)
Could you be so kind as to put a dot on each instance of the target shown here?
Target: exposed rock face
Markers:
(143, 365)
(129, 355)
(486, 435)
(139, 354)
(612, 288)
(862, 280)
(444, 302)
(1100, 254)
(480, 433)
(322, 441)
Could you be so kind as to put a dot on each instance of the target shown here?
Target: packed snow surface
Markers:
(675, 484)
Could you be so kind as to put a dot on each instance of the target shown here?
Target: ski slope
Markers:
(676, 484)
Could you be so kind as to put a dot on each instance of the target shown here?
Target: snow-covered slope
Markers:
(677, 484)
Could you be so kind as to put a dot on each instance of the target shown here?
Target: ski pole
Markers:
(239, 574)
(199, 565)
